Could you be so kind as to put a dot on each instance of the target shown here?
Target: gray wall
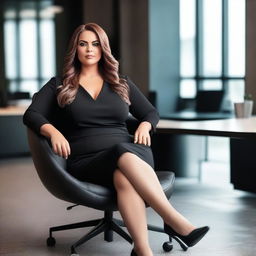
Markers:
(164, 52)
(126, 23)
(250, 81)
(65, 24)
(134, 42)
(100, 12)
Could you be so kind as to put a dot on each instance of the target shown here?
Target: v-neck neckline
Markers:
(90, 96)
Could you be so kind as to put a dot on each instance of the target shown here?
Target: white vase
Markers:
(248, 106)
(243, 109)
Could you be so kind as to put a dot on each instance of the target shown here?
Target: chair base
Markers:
(107, 225)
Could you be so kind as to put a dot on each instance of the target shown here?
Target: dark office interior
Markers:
(193, 60)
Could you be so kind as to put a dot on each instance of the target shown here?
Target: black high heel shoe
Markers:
(189, 240)
(133, 253)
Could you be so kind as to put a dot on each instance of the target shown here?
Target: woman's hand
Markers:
(141, 135)
(59, 143)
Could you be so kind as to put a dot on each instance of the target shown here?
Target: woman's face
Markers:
(88, 50)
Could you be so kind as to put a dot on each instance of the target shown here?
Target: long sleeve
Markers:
(140, 107)
(43, 106)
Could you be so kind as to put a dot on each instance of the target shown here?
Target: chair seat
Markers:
(166, 179)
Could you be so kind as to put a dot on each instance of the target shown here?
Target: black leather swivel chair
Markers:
(52, 172)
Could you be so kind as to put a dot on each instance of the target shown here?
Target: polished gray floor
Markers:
(27, 210)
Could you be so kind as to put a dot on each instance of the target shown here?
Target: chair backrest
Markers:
(52, 172)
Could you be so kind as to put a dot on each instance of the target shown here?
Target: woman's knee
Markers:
(120, 181)
(125, 158)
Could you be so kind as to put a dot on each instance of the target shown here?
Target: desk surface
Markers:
(13, 110)
(196, 116)
(234, 127)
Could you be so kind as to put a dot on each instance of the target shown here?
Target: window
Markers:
(211, 36)
(212, 48)
(29, 44)
(212, 57)
(187, 48)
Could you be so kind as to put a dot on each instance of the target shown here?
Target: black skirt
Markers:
(98, 165)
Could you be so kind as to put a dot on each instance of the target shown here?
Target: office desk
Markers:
(13, 136)
(13, 110)
(233, 128)
(242, 134)
(191, 115)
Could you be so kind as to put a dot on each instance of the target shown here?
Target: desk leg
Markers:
(205, 159)
(243, 164)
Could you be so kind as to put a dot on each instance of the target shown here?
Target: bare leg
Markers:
(133, 211)
(145, 182)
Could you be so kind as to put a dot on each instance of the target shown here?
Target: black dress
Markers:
(95, 129)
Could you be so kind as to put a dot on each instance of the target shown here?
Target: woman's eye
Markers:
(85, 44)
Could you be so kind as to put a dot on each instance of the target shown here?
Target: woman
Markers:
(92, 103)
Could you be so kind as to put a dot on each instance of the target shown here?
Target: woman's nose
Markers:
(89, 48)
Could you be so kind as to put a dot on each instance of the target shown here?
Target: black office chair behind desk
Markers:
(52, 172)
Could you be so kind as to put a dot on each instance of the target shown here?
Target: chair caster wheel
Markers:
(167, 246)
(73, 252)
(50, 241)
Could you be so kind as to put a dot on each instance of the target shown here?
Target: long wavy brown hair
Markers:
(108, 67)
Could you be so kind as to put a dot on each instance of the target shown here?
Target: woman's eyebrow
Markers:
(87, 42)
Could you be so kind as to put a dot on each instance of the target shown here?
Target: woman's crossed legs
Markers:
(135, 182)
